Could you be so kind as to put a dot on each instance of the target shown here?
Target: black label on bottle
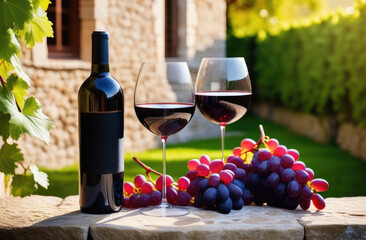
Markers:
(101, 142)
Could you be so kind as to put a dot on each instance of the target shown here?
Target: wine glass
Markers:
(223, 91)
(164, 104)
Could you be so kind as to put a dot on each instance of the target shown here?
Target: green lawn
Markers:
(345, 174)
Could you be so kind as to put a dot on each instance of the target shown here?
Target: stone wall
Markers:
(136, 35)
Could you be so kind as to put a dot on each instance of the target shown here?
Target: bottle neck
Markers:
(99, 68)
(100, 55)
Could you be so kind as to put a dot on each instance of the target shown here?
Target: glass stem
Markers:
(222, 129)
(164, 200)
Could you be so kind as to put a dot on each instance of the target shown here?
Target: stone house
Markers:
(140, 30)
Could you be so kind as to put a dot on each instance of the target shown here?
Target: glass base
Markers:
(165, 210)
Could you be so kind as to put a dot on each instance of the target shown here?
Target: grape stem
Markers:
(147, 168)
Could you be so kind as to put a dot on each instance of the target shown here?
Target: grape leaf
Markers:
(14, 60)
(38, 28)
(41, 3)
(4, 125)
(19, 88)
(9, 155)
(9, 44)
(5, 68)
(22, 185)
(15, 13)
(39, 177)
(30, 120)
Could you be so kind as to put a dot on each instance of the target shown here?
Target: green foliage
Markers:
(317, 66)
(19, 114)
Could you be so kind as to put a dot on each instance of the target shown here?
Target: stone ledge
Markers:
(42, 217)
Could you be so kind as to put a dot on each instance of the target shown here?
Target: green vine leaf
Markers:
(39, 177)
(9, 44)
(15, 13)
(41, 3)
(29, 120)
(39, 27)
(19, 88)
(4, 126)
(22, 185)
(9, 155)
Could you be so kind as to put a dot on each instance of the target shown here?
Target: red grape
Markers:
(299, 165)
(205, 159)
(264, 154)
(193, 163)
(159, 182)
(192, 174)
(318, 201)
(272, 144)
(203, 170)
(319, 185)
(128, 188)
(294, 153)
(183, 183)
(247, 144)
(126, 202)
(226, 176)
(280, 150)
(139, 180)
(310, 172)
(171, 195)
(147, 187)
(237, 151)
(216, 165)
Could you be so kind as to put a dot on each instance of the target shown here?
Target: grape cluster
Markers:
(215, 185)
(144, 193)
(276, 177)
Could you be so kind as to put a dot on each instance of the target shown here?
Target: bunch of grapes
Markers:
(216, 185)
(144, 193)
(276, 177)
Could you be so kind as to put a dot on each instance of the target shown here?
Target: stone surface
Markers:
(41, 217)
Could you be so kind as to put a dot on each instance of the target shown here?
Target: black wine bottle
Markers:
(101, 128)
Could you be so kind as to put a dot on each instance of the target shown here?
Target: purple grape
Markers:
(183, 198)
(192, 175)
(293, 188)
(203, 185)
(287, 160)
(171, 195)
(193, 187)
(230, 166)
(214, 180)
(238, 204)
(255, 162)
(239, 183)
(222, 193)
(239, 173)
(155, 197)
(274, 164)
(263, 169)
(273, 180)
(235, 160)
(281, 189)
(276, 202)
(259, 198)
(247, 168)
(306, 193)
(255, 181)
(291, 202)
(247, 197)
(144, 200)
(246, 179)
(304, 204)
(209, 197)
(302, 177)
(198, 200)
(226, 206)
(287, 175)
(234, 191)
(134, 200)
(264, 154)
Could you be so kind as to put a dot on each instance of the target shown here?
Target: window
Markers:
(171, 28)
(64, 15)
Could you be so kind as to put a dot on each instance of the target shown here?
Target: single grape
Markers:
(318, 201)
(310, 172)
(255, 163)
(287, 160)
(263, 169)
(238, 204)
(144, 200)
(274, 164)
(294, 153)
(203, 185)
(193, 163)
(272, 180)
(203, 170)
(183, 183)
(159, 182)
(293, 188)
(216, 165)
(239, 173)
(126, 202)
(134, 200)
(304, 204)
(280, 150)
(205, 159)
(222, 193)
(306, 193)
(225, 207)
(281, 189)
(319, 184)
(272, 144)
(301, 176)
(214, 180)
(183, 199)
(230, 166)
(209, 197)
(226, 176)
(192, 174)
(299, 165)
(128, 188)
(234, 191)
(198, 200)
(287, 175)
(139, 180)
(237, 151)
(193, 188)
(147, 187)
(264, 154)
(291, 203)
(247, 144)
(239, 183)
(247, 197)
(171, 195)
(235, 160)
(155, 197)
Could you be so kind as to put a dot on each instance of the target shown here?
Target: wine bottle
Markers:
(101, 128)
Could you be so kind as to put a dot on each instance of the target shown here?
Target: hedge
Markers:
(317, 67)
